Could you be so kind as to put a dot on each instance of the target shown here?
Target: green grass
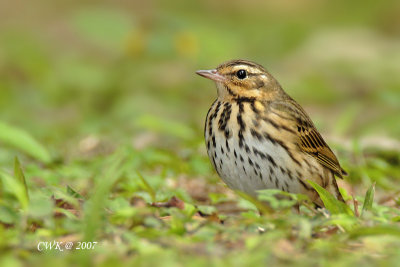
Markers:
(108, 200)
(101, 128)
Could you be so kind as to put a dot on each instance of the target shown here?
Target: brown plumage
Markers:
(258, 137)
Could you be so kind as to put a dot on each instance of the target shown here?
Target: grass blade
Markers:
(391, 230)
(71, 192)
(369, 198)
(147, 187)
(15, 188)
(262, 207)
(23, 141)
(331, 203)
(95, 206)
(19, 175)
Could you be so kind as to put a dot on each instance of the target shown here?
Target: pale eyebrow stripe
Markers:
(250, 69)
(242, 62)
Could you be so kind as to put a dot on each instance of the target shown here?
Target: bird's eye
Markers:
(241, 74)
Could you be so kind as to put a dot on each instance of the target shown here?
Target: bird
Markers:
(258, 137)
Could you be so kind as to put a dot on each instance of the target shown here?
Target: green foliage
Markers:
(369, 198)
(19, 175)
(103, 26)
(94, 207)
(157, 124)
(376, 230)
(14, 187)
(22, 140)
(147, 187)
(333, 205)
(280, 200)
(102, 126)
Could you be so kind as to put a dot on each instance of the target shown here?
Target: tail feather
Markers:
(334, 188)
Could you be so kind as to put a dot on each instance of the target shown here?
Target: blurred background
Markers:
(81, 79)
(75, 74)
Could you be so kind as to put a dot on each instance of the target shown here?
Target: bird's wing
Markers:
(309, 139)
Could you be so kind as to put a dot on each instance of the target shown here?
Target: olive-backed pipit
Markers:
(258, 137)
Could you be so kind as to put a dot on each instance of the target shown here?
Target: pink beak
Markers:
(212, 75)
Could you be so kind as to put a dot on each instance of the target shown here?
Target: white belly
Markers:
(255, 164)
(250, 170)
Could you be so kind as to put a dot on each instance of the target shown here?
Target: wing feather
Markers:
(309, 139)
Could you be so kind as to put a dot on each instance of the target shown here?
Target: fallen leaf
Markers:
(174, 202)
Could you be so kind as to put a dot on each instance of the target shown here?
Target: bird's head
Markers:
(242, 78)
